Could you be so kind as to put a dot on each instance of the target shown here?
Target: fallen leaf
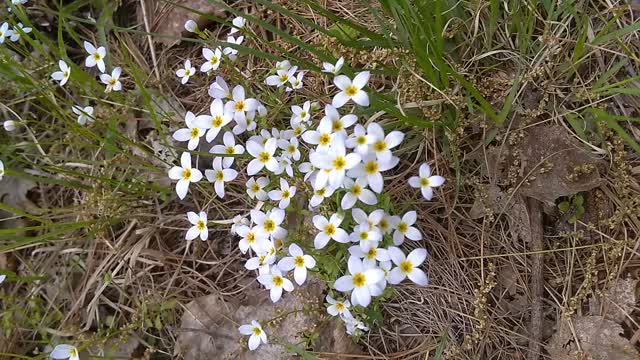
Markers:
(572, 168)
(617, 302)
(209, 327)
(598, 338)
(492, 199)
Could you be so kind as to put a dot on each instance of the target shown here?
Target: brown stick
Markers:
(537, 281)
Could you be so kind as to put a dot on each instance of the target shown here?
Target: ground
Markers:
(528, 109)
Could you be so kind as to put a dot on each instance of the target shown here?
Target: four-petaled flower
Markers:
(257, 334)
(185, 73)
(351, 90)
(199, 228)
(219, 175)
(213, 59)
(408, 266)
(283, 195)
(228, 150)
(112, 81)
(329, 229)
(425, 181)
(63, 74)
(185, 175)
(360, 281)
(96, 56)
(64, 351)
(275, 282)
(85, 114)
(298, 262)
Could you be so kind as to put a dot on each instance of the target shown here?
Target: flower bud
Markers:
(191, 26)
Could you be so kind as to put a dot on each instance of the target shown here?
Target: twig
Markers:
(535, 329)
(147, 28)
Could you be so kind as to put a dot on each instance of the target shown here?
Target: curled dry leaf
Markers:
(598, 338)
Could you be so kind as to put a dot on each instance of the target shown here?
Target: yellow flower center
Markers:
(229, 150)
(321, 192)
(255, 188)
(406, 266)
(364, 235)
(351, 90)
(194, 133)
(297, 131)
(371, 254)
(356, 189)
(269, 225)
(298, 261)
(340, 306)
(112, 82)
(358, 280)
(96, 56)
(213, 60)
(361, 140)
(284, 77)
(339, 163)
(264, 157)
(380, 146)
(201, 225)
(257, 331)
(277, 280)
(371, 167)
(65, 74)
(329, 229)
(73, 353)
(383, 224)
(219, 175)
(337, 125)
(239, 106)
(424, 182)
(278, 243)
(325, 139)
(186, 174)
(216, 121)
(291, 149)
(251, 238)
(262, 258)
(286, 194)
(402, 227)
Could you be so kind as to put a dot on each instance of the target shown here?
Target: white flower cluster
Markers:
(337, 155)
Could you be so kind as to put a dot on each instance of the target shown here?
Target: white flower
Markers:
(404, 229)
(283, 65)
(9, 125)
(301, 113)
(84, 114)
(359, 140)
(238, 23)
(1, 169)
(339, 124)
(255, 188)
(298, 262)
(270, 221)
(388, 223)
(360, 280)
(255, 238)
(257, 334)
(184, 174)
(228, 149)
(63, 74)
(329, 229)
(283, 195)
(367, 235)
(281, 77)
(199, 228)
(15, 33)
(191, 26)
(275, 282)
(370, 168)
(290, 148)
(263, 155)
(64, 351)
(5, 32)
(408, 266)
(218, 119)
(333, 69)
(229, 51)
(284, 165)
(238, 106)
(336, 161)
(219, 89)
(382, 145)
(373, 219)
(308, 170)
(186, 72)
(213, 59)
(238, 220)
(112, 81)
(263, 260)
(353, 325)
(320, 194)
(357, 191)
(322, 136)
(2, 278)
(338, 307)
(96, 56)
(296, 82)
(192, 133)
(18, 2)
(219, 175)
(425, 181)
(370, 254)
(351, 90)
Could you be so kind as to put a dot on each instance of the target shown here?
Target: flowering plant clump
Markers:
(317, 179)
(297, 169)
